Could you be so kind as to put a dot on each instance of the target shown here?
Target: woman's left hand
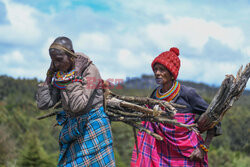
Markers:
(197, 154)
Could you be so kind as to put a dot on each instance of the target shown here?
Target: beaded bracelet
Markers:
(203, 147)
(77, 79)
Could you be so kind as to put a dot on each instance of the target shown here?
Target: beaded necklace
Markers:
(64, 76)
(170, 94)
(62, 79)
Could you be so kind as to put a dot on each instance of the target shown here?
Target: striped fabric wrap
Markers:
(85, 140)
(177, 145)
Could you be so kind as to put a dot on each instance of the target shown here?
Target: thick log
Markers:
(230, 91)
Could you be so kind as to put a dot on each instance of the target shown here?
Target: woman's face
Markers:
(61, 60)
(162, 75)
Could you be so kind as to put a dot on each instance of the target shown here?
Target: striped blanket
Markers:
(85, 140)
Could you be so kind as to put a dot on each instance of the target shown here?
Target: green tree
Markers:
(123, 142)
(33, 155)
(7, 146)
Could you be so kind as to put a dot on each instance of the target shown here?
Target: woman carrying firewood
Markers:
(85, 138)
(180, 146)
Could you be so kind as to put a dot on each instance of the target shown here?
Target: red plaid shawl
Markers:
(174, 150)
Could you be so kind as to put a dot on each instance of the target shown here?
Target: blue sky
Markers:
(123, 37)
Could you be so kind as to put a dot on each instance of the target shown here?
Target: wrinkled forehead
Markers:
(161, 66)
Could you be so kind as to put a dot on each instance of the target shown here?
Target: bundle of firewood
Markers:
(230, 91)
(132, 110)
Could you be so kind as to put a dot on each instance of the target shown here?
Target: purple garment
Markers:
(178, 142)
(194, 104)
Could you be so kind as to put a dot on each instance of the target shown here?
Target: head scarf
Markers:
(61, 47)
(170, 60)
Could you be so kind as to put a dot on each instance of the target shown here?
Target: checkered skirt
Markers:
(177, 145)
(85, 140)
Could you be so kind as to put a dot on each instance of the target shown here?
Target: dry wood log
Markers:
(170, 107)
(136, 141)
(117, 103)
(56, 106)
(141, 128)
(174, 122)
(48, 115)
(117, 117)
(230, 91)
(134, 114)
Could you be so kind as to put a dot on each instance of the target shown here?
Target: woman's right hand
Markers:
(197, 155)
(50, 73)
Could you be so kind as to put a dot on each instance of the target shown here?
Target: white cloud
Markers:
(127, 59)
(130, 40)
(95, 41)
(138, 7)
(193, 32)
(39, 73)
(246, 51)
(146, 58)
(23, 28)
(106, 74)
(18, 65)
(206, 71)
(65, 4)
(13, 57)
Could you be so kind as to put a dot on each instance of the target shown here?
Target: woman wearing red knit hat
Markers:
(180, 146)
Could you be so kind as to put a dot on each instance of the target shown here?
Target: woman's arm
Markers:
(199, 106)
(46, 96)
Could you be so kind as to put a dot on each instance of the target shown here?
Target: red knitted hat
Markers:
(170, 60)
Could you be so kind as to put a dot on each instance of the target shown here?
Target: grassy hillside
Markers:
(24, 140)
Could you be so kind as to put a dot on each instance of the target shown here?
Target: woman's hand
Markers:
(81, 63)
(50, 74)
(197, 154)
